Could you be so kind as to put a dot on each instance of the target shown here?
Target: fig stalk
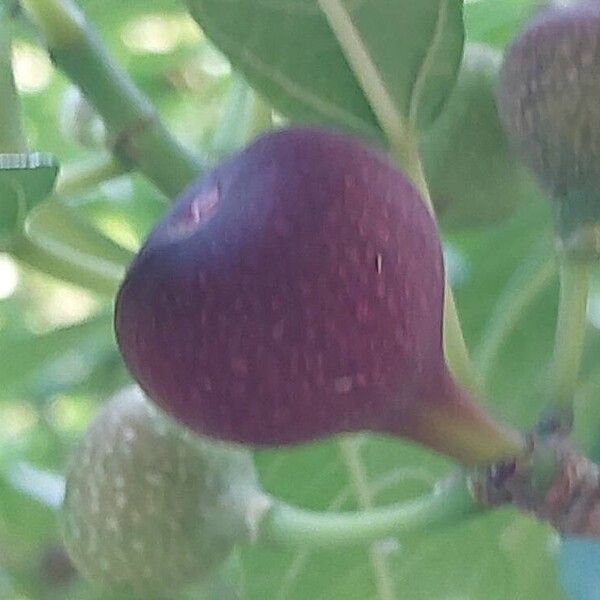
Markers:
(569, 343)
(288, 526)
(138, 135)
(82, 175)
(12, 137)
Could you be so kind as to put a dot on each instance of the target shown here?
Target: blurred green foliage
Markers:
(58, 361)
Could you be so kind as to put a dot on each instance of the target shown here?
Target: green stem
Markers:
(455, 347)
(80, 176)
(570, 334)
(525, 285)
(229, 134)
(12, 138)
(58, 242)
(261, 117)
(54, 239)
(350, 451)
(245, 115)
(52, 221)
(288, 526)
(139, 137)
(67, 264)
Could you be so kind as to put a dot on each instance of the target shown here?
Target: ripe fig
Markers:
(296, 292)
(548, 99)
(474, 177)
(149, 507)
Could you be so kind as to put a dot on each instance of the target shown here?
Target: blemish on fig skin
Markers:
(200, 210)
(343, 385)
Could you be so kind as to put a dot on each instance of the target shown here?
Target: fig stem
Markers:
(69, 264)
(12, 138)
(137, 133)
(261, 116)
(82, 175)
(53, 256)
(229, 134)
(525, 285)
(245, 115)
(570, 335)
(350, 453)
(58, 242)
(288, 526)
(455, 347)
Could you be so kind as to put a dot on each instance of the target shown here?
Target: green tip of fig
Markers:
(149, 507)
(293, 293)
(548, 99)
(475, 178)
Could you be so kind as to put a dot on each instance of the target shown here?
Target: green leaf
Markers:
(473, 174)
(496, 22)
(357, 65)
(63, 354)
(59, 229)
(25, 180)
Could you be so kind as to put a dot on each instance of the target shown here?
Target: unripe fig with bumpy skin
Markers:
(474, 177)
(549, 100)
(296, 292)
(149, 507)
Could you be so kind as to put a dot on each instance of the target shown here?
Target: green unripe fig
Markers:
(474, 176)
(148, 506)
(549, 102)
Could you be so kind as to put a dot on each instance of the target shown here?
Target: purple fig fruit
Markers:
(549, 102)
(296, 292)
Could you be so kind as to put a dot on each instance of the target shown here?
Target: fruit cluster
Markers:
(297, 292)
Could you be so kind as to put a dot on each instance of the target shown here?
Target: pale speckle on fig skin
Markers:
(345, 265)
